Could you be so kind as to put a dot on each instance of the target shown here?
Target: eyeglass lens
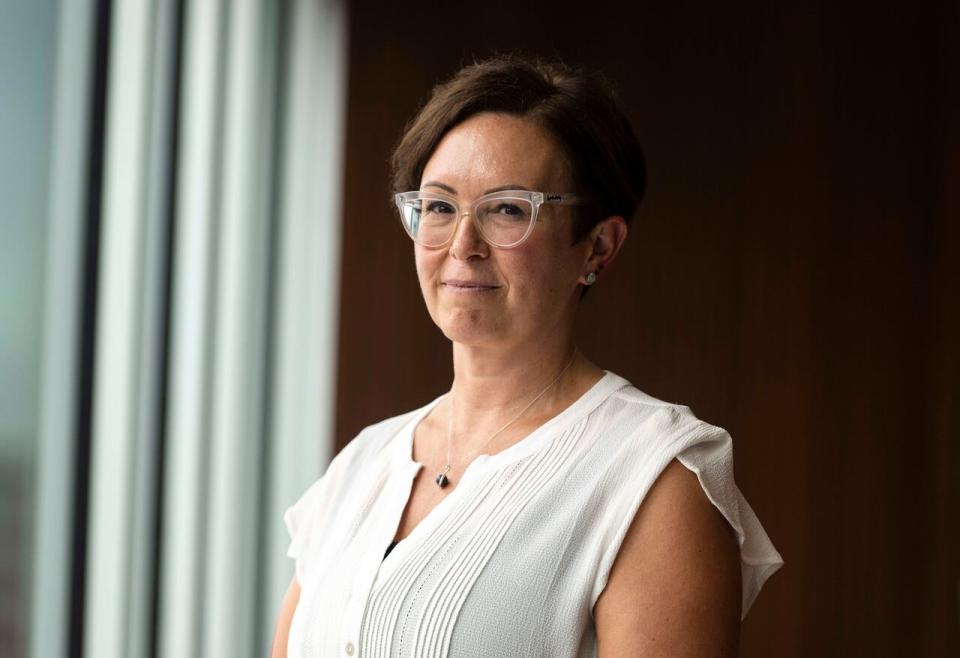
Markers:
(502, 222)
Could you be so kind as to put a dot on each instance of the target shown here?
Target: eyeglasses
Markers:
(504, 219)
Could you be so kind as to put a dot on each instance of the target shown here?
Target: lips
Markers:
(469, 285)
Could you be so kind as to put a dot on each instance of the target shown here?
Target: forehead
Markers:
(490, 150)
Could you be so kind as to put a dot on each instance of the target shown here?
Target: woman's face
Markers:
(526, 293)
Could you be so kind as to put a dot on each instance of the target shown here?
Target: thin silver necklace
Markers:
(442, 480)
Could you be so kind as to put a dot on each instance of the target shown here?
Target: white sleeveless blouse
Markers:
(513, 560)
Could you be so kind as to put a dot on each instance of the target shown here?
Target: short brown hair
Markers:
(579, 108)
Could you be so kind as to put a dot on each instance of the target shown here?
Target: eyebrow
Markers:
(499, 188)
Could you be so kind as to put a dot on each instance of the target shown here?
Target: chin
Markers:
(470, 328)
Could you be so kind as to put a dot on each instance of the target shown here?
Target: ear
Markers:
(604, 242)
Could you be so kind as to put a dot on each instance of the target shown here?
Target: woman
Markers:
(543, 506)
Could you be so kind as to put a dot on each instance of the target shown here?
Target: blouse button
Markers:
(349, 648)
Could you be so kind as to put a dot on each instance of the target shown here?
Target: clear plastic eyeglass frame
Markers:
(406, 201)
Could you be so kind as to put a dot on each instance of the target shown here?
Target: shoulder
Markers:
(640, 421)
(367, 451)
(635, 402)
(667, 428)
(375, 443)
(634, 435)
(669, 456)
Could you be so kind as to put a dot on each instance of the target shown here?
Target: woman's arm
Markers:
(283, 620)
(675, 586)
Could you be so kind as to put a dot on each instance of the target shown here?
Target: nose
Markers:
(467, 241)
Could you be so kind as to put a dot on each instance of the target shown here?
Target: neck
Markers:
(491, 386)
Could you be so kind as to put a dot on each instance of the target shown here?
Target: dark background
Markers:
(792, 275)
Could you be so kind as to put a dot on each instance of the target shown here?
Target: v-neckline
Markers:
(405, 469)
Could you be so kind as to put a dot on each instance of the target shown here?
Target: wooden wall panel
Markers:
(792, 275)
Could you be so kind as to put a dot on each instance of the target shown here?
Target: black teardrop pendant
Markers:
(441, 479)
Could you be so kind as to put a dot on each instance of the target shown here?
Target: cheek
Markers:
(428, 265)
(541, 275)
(531, 274)
(425, 262)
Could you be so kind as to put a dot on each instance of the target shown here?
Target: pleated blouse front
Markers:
(513, 560)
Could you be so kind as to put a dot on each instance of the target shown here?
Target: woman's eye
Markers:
(439, 207)
(508, 209)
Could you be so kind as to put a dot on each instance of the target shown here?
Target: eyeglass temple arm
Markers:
(563, 199)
